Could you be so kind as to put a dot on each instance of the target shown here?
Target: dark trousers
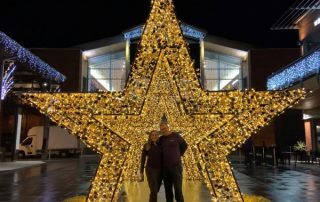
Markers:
(173, 177)
(154, 182)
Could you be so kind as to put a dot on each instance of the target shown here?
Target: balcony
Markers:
(296, 72)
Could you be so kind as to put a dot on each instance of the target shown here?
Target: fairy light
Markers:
(296, 72)
(163, 81)
(7, 81)
(33, 62)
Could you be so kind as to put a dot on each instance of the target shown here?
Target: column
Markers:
(127, 58)
(45, 143)
(202, 79)
(17, 134)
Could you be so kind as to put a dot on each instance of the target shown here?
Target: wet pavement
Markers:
(7, 166)
(54, 181)
(59, 179)
(283, 183)
(193, 191)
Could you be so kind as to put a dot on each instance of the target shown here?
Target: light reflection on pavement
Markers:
(64, 178)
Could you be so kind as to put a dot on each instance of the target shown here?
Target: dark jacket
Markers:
(154, 157)
(173, 147)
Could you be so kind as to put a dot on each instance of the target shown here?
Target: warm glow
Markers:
(307, 130)
(163, 81)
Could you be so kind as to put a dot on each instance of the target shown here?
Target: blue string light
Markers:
(33, 62)
(298, 71)
(190, 31)
(186, 29)
(7, 81)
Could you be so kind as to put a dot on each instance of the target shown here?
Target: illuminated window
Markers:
(221, 72)
(107, 72)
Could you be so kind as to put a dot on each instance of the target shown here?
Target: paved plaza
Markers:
(59, 179)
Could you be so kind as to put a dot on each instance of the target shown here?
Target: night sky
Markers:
(65, 23)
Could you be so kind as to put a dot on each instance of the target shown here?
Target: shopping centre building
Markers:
(104, 65)
(304, 72)
(222, 64)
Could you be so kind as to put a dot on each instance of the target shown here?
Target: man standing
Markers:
(173, 147)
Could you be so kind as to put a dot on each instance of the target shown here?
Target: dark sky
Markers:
(64, 23)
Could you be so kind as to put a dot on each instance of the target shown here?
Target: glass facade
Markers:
(107, 72)
(221, 72)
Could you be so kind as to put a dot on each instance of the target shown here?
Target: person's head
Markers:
(153, 136)
(164, 128)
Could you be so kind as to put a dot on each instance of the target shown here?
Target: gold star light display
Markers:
(163, 81)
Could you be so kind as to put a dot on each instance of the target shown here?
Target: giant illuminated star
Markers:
(162, 98)
(163, 81)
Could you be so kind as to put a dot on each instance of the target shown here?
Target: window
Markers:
(221, 72)
(107, 72)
